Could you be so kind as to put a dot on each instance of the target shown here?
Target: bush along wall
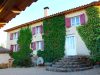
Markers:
(90, 32)
(54, 38)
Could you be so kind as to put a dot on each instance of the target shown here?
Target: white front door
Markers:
(70, 45)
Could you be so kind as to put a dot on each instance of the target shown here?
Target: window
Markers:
(75, 21)
(37, 30)
(14, 36)
(38, 45)
(14, 48)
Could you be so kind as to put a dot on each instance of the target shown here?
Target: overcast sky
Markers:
(36, 11)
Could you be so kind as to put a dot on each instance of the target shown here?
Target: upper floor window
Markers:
(37, 30)
(75, 21)
(14, 36)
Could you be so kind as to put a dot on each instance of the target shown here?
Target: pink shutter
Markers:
(11, 48)
(41, 29)
(11, 36)
(33, 31)
(67, 22)
(17, 34)
(34, 46)
(82, 19)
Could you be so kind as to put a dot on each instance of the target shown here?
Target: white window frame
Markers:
(37, 30)
(15, 48)
(39, 45)
(15, 35)
(74, 19)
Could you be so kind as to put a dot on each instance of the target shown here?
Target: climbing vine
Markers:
(54, 38)
(90, 32)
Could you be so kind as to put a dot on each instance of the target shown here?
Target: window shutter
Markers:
(11, 48)
(41, 29)
(34, 45)
(67, 22)
(17, 34)
(11, 36)
(82, 19)
(33, 31)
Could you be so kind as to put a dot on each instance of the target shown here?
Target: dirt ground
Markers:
(42, 71)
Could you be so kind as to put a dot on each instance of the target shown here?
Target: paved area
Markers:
(42, 71)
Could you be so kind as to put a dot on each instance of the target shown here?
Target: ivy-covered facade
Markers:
(92, 36)
(69, 33)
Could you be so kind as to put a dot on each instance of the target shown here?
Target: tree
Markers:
(22, 57)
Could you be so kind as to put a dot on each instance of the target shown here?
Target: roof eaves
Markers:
(56, 14)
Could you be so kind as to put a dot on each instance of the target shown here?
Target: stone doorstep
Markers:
(70, 66)
(67, 69)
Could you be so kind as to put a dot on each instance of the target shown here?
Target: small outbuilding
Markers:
(5, 58)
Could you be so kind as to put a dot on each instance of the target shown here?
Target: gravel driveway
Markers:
(42, 71)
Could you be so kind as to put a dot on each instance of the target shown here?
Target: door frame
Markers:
(66, 44)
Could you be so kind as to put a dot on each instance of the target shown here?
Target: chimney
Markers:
(46, 11)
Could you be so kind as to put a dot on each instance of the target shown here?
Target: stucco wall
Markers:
(14, 41)
(4, 58)
(11, 42)
(37, 37)
(81, 48)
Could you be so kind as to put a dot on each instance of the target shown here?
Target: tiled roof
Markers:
(97, 3)
(11, 8)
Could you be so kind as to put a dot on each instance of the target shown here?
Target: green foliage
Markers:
(90, 32)
(22, 57)
(25, 38)
(54, 38)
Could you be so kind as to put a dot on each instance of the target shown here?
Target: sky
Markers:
(36, 11)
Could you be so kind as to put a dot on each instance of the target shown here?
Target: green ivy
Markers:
(90, 32)
(54, 38)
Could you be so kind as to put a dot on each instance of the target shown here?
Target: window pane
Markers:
(77, 20)
(72, 21)
(37, 45)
